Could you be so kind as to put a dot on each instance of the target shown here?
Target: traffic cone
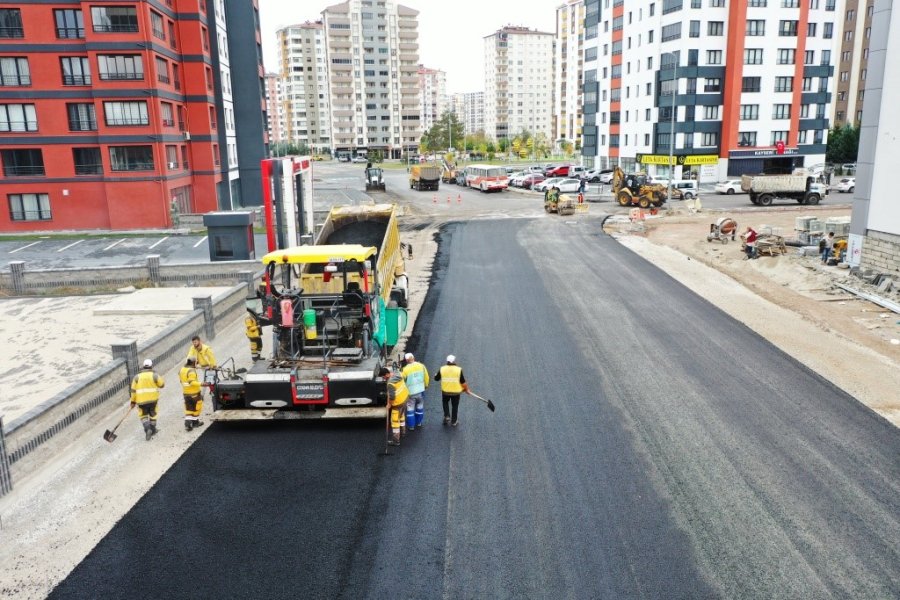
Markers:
(448, 199)
(434, 199)
(459, 198)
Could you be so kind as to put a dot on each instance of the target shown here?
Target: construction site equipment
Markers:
(448, 174)
(374, 179)
(562, 204)
(770, 245)
(110, 436)
(800, 186)
(490, 404)
(723, 229)
(424, 177)
(336, 308)
(634, 189)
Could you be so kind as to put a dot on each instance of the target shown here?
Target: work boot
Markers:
(395, 440)
(187, 425)
(153, 429)
(148, 433)
(446, 420)
(198, 423)
(455, 423)
(403, 430)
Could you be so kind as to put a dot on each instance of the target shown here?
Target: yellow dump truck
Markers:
(424, 177)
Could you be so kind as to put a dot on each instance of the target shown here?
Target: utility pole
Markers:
(672, 128)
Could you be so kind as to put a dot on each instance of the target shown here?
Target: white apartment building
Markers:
(568, 70)
(274, 109)
(226, 111)
(745, 79)
(469, 109)
(372, 60)
(852, 60)
(433, 95)
(518, 67)
(304, 86)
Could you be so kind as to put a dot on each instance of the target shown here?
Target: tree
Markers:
(439, 136)
(843, 144)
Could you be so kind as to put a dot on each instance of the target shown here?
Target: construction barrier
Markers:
(5, 477)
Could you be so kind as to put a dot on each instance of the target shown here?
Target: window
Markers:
(131, 158)
(713, 84)
(120, 66)
(710, 139)
(784, 84)
(753, 56)
(826, 57)
(781, 111)
(810, 30)
(802, 136)
(87, 161)
(17, 118)
(29, 207)
(162, 70)
(695, 29)
(778, 136)
(809, 57)
(717, 3)
(114, 19)
(749, 112)
(827, 30)
(848, 35)
(756, 27)
(786, 56)
(69, 23)
(14, 71)
(671, 32)
(714, 57)
(757, 3)
(747, 138)
(82, 117)
(750, 84)
(22, 163)
(76, 70)
(157, 25)
(790, 3)
(11, 23)
(671, 6)
(711, 113)
(804, 111)
(715, 28)
(167, 113)
(125, 113)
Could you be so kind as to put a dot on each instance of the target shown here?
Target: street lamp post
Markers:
(672, 127)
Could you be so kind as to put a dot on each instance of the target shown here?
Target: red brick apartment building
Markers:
(107, 114)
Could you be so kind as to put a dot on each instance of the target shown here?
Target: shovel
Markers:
(110, 436)
(490, 404)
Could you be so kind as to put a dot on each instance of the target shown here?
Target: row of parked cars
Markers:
(567, 178)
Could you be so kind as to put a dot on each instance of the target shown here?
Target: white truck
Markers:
(801, 186)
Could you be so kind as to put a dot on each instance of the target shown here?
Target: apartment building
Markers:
(853, 61)
(518, 66)
(372, 65)
(568, 69)
(469, 109)
(274, 109)
(433, 95)
(724, 87)
(304, 85)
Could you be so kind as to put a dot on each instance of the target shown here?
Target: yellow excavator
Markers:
(634, 189)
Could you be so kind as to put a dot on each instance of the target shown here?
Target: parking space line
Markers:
(70, 245)
(114, 244)
(201, 241)
(158, 243)
(23, 247)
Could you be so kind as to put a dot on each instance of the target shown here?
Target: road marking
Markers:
(114, 244)
(201, 241)
(23, 247)
(70, 245)
(158, 243)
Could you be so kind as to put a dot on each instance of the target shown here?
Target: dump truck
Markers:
(335, 310)
(424, 177)
(800, 186)
(635, 189)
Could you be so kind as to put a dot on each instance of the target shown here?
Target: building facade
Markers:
(274, 109)
(718, 86)
(304, 86)
(469, 109)
(433, 95)
(852, 61)
(518, 72)
(568, 70)
(372, 64)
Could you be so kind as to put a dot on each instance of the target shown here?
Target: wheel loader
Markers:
(635, 190)
(374, 179)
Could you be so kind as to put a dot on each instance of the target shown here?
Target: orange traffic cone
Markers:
(458, 198)
(434, 199)
(448, 199)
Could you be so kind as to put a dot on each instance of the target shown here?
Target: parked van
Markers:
(688, 188)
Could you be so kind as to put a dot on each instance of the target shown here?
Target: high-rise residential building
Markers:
(373, 81)
(469, 109)
(568, 69)
(274, 109)
(433, 90)
(852, 62)
(304, 85)
(110, 114)
(225, 155)
(518, 66)
(750, 83)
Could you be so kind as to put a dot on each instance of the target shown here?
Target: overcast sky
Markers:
(451, 32)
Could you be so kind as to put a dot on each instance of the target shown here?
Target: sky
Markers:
(451, 32)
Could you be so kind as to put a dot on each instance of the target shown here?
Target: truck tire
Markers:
(644, 202)
(624, 199)
(765, 199)
(812, 199)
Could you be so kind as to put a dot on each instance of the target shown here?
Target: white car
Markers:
(729, 187)
(516, 179)
(606, 178)
(568, 186)
(547, 184)
(846, 185)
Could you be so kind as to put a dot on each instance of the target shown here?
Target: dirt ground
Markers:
(791, 300)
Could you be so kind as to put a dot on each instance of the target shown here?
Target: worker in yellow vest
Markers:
(145, 395)
(254, 334)
(202, 353)
(193, 394)
(416, 377)
(397, 394)
(453, 383)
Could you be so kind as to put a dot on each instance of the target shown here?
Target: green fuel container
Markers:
(309, 323)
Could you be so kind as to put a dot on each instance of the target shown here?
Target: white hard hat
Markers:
(148, 363)
(451, 358)
(409, 356)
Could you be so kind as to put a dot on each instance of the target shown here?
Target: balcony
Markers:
(408, 46)
(86, 169)
(23, 170)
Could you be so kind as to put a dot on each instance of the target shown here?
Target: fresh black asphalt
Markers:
(645, 445)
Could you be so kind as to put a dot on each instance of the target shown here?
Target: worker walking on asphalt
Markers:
(193, 394)
(416, 377)
(453, 383)
(254, 334)
(145, 395)
(397, 395)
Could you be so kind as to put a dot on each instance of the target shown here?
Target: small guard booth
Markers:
(230, 235)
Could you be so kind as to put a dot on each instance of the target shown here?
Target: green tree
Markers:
(447, 129)
(843, 144)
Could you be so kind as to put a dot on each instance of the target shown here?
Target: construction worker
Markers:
(202, 353)
(416, 377)
(453, 383)
(193, 394)
(145, 395)
(254, 334)
(397, 395)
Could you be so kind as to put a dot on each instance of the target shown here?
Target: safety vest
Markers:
(190, 384)
(252, 327)
(145, 387)
(416, 376)
(397, 390)
(204, 356)
(450, 375)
